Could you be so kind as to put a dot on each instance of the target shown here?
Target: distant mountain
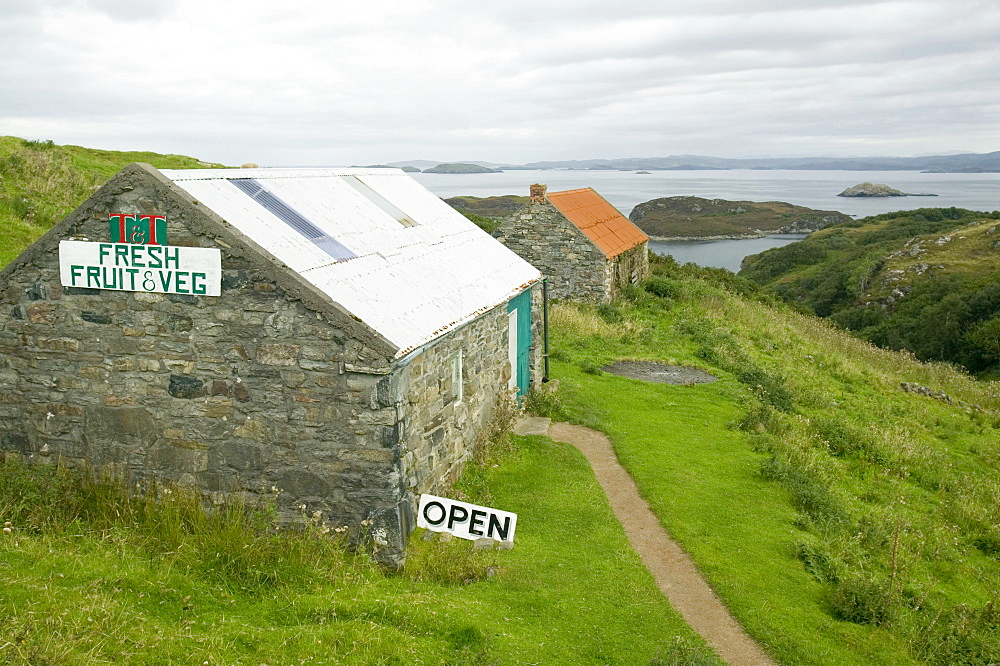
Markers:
(959, 163)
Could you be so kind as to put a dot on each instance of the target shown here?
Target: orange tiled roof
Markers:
(611, 231)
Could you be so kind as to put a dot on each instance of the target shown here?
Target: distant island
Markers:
(959, 163)
(684, 218)
(461, 167)
(877, 190)
(406, 168)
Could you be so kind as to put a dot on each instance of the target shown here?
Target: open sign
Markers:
(464, 520)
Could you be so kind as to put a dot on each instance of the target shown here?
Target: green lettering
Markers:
(94, 273)
(182, 277)
(121, 253)
(166, 277)
(153, 256)
(137, 255)
(198, 286)
(113, 282)
(168, 257)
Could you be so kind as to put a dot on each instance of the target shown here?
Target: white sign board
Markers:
(164, 269)
(464, 520)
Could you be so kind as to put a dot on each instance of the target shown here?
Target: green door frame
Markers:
(521, 305)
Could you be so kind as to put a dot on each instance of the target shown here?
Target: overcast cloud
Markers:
(323, 82)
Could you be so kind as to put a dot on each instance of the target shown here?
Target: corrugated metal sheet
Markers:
(408, 283)
(611, 231)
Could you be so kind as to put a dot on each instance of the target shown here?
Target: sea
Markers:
(814, 189)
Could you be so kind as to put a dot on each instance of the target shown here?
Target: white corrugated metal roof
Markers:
(408, 283)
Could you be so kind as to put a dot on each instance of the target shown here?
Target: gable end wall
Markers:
(574, 266)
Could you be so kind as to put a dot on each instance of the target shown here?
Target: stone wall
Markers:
(630, 267)
(543, 237)
(444, 421)
(256, 389)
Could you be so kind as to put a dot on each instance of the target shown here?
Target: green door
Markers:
(519, 341)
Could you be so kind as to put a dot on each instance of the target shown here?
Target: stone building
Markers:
(341, 335)
(586, 249)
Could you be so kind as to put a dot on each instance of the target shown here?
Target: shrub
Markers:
(809, 494)
(818, 561)
(769, 388)
(762, 418)
(845, 440)
(453, 562)
(862, 599)
(988, 543)
(544, 402)
(962, 635)
(610, 312)
(664, 287)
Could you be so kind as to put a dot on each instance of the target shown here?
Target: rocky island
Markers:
(877, 190)
(688, 218)
(460, 167)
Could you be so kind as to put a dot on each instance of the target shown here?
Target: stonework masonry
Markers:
(262, 387)
(629, 267)
(572, 264)
(575, 268)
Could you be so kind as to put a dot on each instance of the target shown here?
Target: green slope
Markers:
(41, 182)
(92, 577)
(926, 281)
(843, 519)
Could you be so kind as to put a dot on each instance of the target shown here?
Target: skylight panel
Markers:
(293, 218)
(379, 201)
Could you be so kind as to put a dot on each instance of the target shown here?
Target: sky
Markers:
(333, 83)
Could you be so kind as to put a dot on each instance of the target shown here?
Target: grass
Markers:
(95, 574)
(41, 182)
(923, 280)
(842, 519)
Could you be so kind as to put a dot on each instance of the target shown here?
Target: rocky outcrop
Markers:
(877, 190)
(460, 167)
(693, 217)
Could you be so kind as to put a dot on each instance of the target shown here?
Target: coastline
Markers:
(748, 236)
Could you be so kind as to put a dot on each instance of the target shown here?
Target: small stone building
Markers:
(341, 335)
(586, 249)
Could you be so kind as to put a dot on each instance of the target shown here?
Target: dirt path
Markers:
(672, 568)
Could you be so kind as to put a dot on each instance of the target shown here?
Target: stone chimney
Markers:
(538, 193)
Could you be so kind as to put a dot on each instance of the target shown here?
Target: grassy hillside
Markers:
(926, 281)
(841, 498)
(41, 182)
(694, 217)
(487, 212)
(844, 516)
(95, 575)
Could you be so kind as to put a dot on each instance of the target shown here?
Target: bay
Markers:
(814, 189)
(721, 253)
